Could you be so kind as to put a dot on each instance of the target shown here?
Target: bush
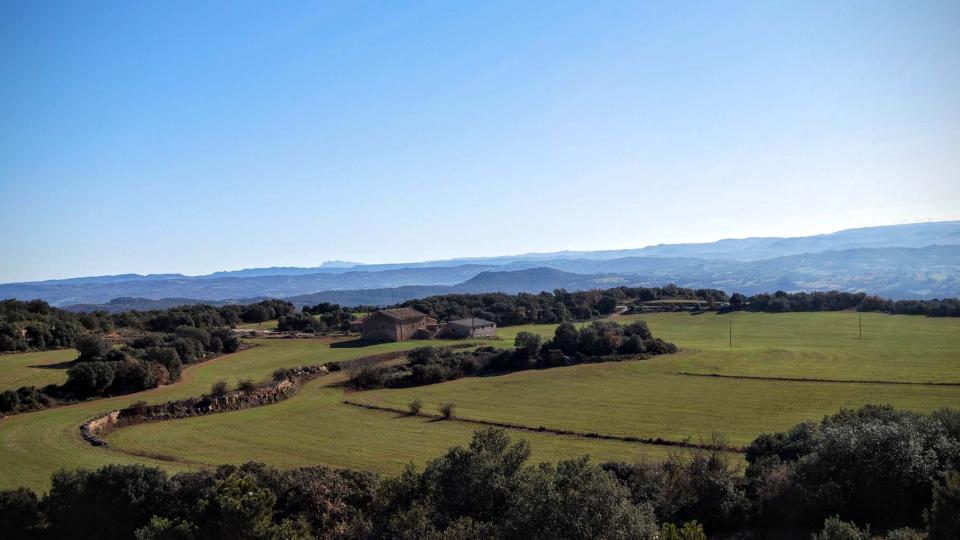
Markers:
(167, 357)
(872, 465)
(835, 529)
(281, 374)
(905, 534)
(943, 516)
(19, 512)
(90, 378)
(415, 407)
(690, 530)
(447, 409)
(365, 373)
(91, 348)
(229, 341)
(566, 338)
(246, 385)
(219, 388)
(111, 502)
(134, 375)
(528, 344)
(189, 349)
(9, 400)
(139, 408)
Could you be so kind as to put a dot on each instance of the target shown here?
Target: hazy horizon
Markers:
(192, 137)
(464, 257)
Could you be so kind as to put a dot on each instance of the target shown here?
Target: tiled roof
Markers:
(402, 313)
(471, 322)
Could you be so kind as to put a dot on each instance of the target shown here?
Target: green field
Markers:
(898, 348)
(316, 427)
(34, 368)
(651, 399)
(644, 398)
(34, 445)
(265, 325)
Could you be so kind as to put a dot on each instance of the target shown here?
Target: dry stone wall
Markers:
(93, 429)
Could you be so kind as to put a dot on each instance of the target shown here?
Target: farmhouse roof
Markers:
(402, 313)
(471, 322)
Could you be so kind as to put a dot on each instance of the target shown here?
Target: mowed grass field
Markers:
(315, 427)
(34, 368)
(652, 399)
(33, 445)
(898, 348)
(642, 398)
(312, 428)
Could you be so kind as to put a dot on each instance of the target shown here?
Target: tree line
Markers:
(145, 350)
(36, 325)
(560, 305)
(550, 308)
(323, 317)
(780, 302)
(599, 341)
(856, 474)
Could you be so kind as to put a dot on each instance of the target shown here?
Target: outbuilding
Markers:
(471, 327)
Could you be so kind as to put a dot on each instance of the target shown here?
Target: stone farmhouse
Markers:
(402, 324)
(398, 324)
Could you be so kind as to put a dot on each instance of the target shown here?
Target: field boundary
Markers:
(95, 429)
(804, 379)
(554, 431)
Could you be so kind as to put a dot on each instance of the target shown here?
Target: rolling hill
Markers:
(902, 261)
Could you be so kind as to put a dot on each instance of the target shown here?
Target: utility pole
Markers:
(860, 324)
(731, 331)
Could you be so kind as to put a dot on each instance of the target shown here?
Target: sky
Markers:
(191, 137)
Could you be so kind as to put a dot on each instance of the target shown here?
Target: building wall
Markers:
(379, 328)
(479, 331)
(382, 328)
(406, 329)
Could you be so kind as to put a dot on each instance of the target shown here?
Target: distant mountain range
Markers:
(900, 261)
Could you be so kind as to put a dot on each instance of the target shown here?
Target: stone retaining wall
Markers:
(92, 429)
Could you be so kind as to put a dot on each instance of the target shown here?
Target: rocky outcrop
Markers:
(93, 430)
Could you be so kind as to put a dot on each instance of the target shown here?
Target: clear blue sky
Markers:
(198, 136)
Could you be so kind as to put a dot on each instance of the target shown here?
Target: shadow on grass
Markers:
(353, 344)
(59, 365)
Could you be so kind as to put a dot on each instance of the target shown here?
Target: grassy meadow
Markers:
(652, 399)
(265, 325)
(33, 445)
(638, 398)
(314, 427)
(34, 368)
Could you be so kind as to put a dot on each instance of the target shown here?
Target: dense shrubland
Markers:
(559, 306)
(599, 341)
(323, 317)
(874, 469)
(875, 465)
(35, 325)
(144, 350)
(549, 308)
